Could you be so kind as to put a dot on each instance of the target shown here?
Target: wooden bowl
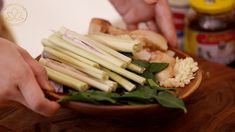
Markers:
(127, 110)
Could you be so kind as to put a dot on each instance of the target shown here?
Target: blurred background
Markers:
(39, 18)
(32, 20)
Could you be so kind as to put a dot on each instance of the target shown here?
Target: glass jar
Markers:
(210, 30)
(179, 10)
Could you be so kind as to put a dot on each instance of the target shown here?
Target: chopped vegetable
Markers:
(87, 44)
(120, 80)
(135, 68)
(117, 43)
(72, 72)
(65, 58)
(45, 42)
(66, 80)
(63, 44)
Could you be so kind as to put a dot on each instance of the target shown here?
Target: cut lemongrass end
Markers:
(47, 43)
(113, 84)
(117, 43)
(66, 80)
(135, 68)
(104, 76)
(72, 72)
(110, 83)
(120, 80)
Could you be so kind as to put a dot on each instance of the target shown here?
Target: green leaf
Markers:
(141, 94)
(167, 99)
(92, 96)
(165, 89)
(141, 63)
(72, 92)
(101, 96)
(152, 93)
(152, 83)
(157, 67)
(102, 93)
(83, 97)
(148, 75)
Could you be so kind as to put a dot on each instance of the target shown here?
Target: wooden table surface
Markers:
(210, 108)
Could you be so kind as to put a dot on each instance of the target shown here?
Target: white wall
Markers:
(46, 15)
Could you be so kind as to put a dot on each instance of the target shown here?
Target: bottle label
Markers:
(179, 9)
(218, 46)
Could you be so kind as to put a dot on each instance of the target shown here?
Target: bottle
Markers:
(210, 30)
(179, 9)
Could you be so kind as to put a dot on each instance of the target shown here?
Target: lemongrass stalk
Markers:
(117, 43)
(71, 60)
(68, 59)
(107, 82)
(98, 52)
(95, 75)
(45, 42)
(110, 50)
(83, 43)
(125, 36)
(135, 68)
(110, 83)
(70, 71)
(91, 42)
(66, 80)
(91, 73)
(121, 80)
(65, 45)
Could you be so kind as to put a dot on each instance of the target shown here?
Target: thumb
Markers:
(35, 97)
(38, 70)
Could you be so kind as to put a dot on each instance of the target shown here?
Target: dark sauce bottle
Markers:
(210, 30)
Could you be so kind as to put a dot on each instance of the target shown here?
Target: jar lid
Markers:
(212, 6)
(178, 2)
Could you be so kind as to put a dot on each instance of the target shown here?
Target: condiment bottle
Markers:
(210, 30)
(179, 10)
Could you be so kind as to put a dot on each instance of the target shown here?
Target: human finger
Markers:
(11, 96)
(151, 24)
(132, 10)
(120, 5)
(151, 1)
(15, 96)
(34, 96)
(132, 26)
(165, 22)
(38, 70)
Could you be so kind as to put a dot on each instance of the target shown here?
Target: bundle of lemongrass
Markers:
(83, 61)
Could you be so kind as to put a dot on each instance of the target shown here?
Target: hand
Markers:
(155, 13)
(21, 80)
